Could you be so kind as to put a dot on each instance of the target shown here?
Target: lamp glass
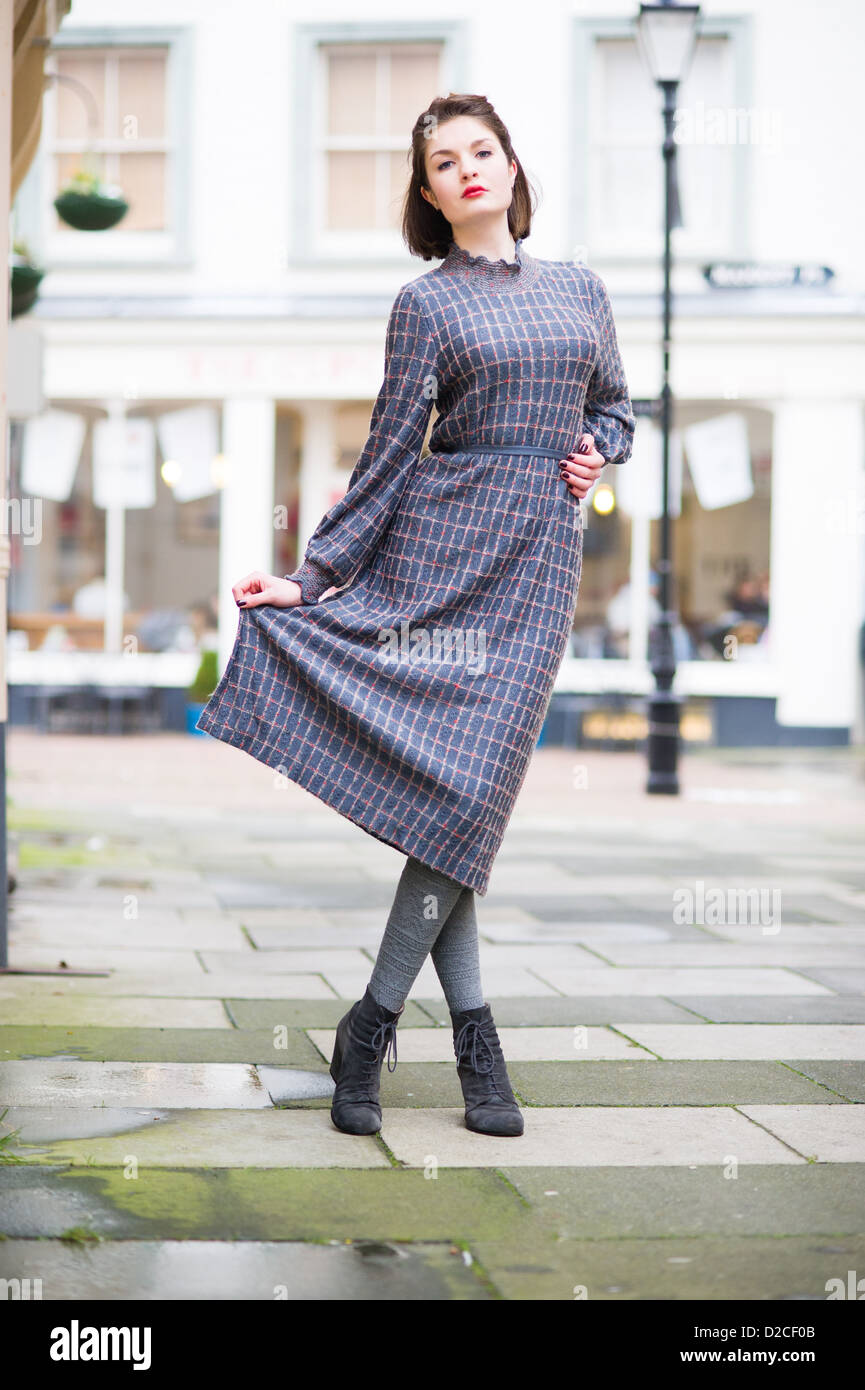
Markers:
(666, 35)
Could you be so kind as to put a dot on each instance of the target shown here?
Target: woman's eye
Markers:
(446, 162)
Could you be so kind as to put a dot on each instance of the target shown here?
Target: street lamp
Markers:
(666, 34)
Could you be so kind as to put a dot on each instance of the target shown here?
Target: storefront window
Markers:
(720, 495)
(58, 596)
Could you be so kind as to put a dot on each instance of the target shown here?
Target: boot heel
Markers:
(336, 1059)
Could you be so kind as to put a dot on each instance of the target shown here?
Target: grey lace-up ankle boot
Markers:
(491, 1106)
(363, 1036)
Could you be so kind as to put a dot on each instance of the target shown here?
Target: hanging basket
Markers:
(90, 212)
(24, 285)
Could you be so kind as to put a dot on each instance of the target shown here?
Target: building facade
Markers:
(193, 386)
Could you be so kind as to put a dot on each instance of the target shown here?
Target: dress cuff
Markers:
(313, 580)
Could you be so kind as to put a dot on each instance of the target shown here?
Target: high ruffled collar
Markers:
(517, 272)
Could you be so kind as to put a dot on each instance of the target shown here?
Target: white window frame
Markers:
(68, 248)
(737, 30)
(313, 241)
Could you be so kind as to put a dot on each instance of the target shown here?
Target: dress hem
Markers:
(306, 777)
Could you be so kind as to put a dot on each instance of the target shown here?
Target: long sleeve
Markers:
(608, 414)
(350, 531)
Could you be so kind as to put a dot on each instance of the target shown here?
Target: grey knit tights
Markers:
(431, 915)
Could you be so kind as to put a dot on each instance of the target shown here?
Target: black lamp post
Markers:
(666, 34)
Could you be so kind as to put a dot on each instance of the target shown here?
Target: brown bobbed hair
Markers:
(425, 230)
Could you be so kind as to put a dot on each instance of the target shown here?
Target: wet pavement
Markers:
(677, 983)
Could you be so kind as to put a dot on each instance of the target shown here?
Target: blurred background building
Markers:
(192, 386)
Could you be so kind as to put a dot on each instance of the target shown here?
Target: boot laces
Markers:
(468, 1041)
(385, 1037)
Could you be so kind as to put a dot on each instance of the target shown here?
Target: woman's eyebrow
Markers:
(483, 140)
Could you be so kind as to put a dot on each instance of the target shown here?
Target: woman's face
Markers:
(464, 155)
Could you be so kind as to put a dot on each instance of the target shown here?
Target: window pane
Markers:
(141, 95)
(73, 105)
(705, 178)
(142, 178)
(351, 184)
(626, 176)
(629, 104)
(414, 81)
(709, 79)
(602, 620)
(351, 94)
(351, 428)
(628, 191)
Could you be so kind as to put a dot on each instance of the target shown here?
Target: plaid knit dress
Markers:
(411, 700)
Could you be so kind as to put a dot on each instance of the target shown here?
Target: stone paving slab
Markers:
(846, 1079)
(498, 983)
(827, 1134)
(279, 919)
(289, 1047)
(843, 981)
(532, 1012)
(592, 934)
(252, 1271)
(530, 1044)
(666, 1083)
(833, 933)
(793, 915)
(321, 937)
(157, 985)
(39, 1124)
(167, 1085)
(109, 931)
(255, 917)
(821, 908)
(233, 891)
(697, 1200)
(116, 958)
(286, 1085)
(624, 979)
(542, 877)
(777, 950)
(589, 1135)
(317, 960)
(268, 1014)
(294, 868)
(731, 1040)
(272, 1138)
(108, 898)
(829, 1008)
(575, 909)
(261, 1204)
(64, 1010)
(761, 1269)
(547, 955)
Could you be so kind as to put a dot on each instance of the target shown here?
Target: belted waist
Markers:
(503, 449)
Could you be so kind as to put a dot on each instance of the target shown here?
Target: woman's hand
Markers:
(581, 471)
(257, 588)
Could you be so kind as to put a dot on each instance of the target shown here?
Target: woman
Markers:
(332, 678)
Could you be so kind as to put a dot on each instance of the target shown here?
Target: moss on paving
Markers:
(397, 1204)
